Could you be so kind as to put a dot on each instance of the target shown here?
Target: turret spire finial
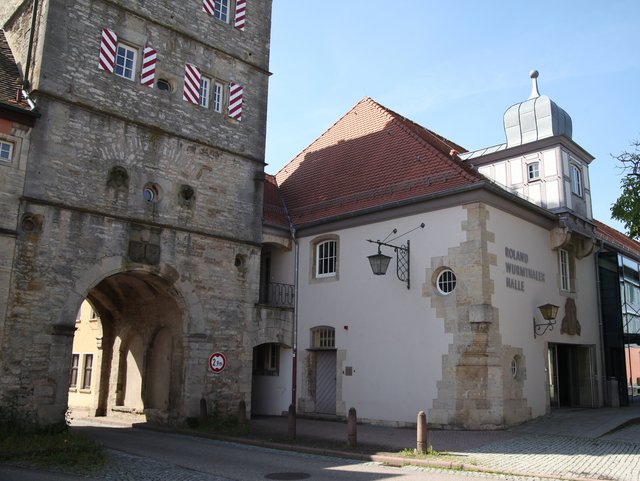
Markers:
(534, 84)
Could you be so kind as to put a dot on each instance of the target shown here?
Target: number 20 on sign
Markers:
(217, 362)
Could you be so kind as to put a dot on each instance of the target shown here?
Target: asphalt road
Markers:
(142, 455)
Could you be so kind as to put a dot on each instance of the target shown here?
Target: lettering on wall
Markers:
(517, 268)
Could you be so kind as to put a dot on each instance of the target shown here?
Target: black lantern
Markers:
(379, 263)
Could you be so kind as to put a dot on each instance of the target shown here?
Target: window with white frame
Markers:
(446, 281)
(218, 97)
(326, 258)
(125, 65)
(565, 270)
(221, 10)
(87, 370)
(73, 375)
(205, 91)
(576, 180)
(533, 171)
(323, 338)
(6, 151)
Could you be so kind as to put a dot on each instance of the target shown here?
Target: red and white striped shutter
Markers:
(208, 6)
(191, 84)
(108, 45)
(235, 101)
(149, 57)
(241, 11)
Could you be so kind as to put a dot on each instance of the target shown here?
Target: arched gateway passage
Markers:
(140, 349)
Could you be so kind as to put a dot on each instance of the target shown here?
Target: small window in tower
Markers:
(533, 171)
(221, 11)
(566, 270)
(576, 180)
(164, 85)
(125, 61)
(218, 97)
(205, 91)
(217, 9)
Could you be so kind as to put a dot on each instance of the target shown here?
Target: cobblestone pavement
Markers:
(562, 456)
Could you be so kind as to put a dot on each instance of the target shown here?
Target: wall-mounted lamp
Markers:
(380, 262)
(549, 313)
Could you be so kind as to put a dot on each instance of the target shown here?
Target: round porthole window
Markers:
(446, 281)
(150, 193)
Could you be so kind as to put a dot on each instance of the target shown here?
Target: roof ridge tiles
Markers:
(370, 157)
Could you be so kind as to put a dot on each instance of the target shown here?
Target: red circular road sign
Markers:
(217, 362)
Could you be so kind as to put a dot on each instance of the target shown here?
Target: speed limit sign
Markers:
(217, 362)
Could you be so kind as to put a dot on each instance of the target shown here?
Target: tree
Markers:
(627, 208)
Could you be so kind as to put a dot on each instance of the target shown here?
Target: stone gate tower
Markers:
(133, 178)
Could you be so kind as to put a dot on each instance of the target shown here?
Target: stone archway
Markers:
(143, 320)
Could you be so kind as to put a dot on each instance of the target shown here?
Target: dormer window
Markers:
(576, 180)
(533, 171)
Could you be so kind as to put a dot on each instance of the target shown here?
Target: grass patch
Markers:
(413, 453)
(53, 446)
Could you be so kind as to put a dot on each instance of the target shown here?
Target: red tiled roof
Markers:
(369, 158)
(9, 76)
(617, 239)
(273, 211)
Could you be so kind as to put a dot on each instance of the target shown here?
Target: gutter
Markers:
(486, 185)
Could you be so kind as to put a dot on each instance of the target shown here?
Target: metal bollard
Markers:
(352, 428)
(291, 420)
(422, 446)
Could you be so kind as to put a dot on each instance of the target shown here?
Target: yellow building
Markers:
(84, 379)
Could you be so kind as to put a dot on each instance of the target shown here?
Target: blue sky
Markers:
(455, 67)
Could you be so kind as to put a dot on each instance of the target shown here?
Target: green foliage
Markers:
(413, 453)
(63, 449)
(627, 208)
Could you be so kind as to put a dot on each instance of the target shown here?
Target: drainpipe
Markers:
(603, 377)
(296, 264)
(25, 77)
(294, 370)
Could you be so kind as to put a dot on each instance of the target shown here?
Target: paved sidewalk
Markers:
(567, 444)
(576, 444)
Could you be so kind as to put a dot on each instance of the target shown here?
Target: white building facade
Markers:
(457, 332)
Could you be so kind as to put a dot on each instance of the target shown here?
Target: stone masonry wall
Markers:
(103, 139)
(477, 390)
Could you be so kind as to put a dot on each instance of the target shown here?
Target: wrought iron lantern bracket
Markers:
(379, 262)
(549, 313)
